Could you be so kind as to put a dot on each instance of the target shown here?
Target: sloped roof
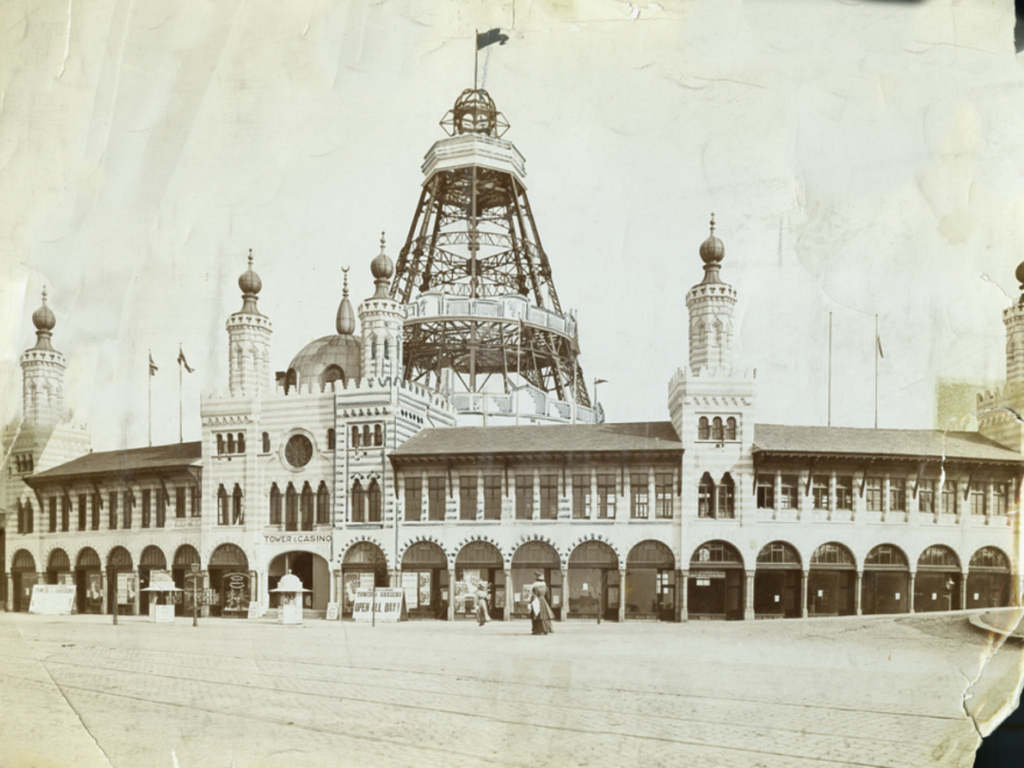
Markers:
(883, 443)
(555, 438)
(130, 461)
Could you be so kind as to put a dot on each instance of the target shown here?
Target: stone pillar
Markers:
(803, 594)
(205, 611)
(680, 595)
(451, 593)
(9, 602)
(748, 596)
(252, 586)
(910, 591)
(396, 578)
(564, 612)
(508, 593)
(963, 590)
(622, 594)
(1015, 586)
(859, 585)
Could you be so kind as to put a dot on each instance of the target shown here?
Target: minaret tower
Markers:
(711, 303)
(42, 369)
(249, 333)
(999, 413)
(380, 320)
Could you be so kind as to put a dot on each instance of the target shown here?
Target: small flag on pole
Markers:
(153, 367)
(183, 361)
(878, 342)
(491, 36)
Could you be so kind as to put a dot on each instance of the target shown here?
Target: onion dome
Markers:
(44, 321)
(712, 251)
(250, 284)
(345, 321)
(1019, 274)
(382, 268)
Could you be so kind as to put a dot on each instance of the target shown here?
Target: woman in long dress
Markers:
(481, 604)
(540, 611)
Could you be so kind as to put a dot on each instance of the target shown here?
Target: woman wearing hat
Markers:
(541, 614)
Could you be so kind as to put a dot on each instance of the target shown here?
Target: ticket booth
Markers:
(290, 592)
(163, 594)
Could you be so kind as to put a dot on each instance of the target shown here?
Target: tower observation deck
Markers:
(483, 320)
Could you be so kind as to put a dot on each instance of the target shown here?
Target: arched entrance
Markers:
(593, 581)
(715, 589)
(425, 581)
(777, 582)
(530, 557)
(88, 580)
(58, 568)
(231, 581)
(479, 561)
(363, 567)
(152, 559)
(121, 580)
(315, 574)
(832, 581)
(937, 585)
(24, 577)
(184, 558)
(886, 581)
(988, 579)
(650, 582)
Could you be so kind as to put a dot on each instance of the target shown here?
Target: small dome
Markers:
(1020, 274)
(43, 318)
(289, 583)
(327, 359)
(712, 250)
(249, 282)
(345, 321)
(382, 268)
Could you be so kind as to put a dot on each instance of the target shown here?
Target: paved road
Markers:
(849, 692)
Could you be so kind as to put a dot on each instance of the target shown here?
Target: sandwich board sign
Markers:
(52, 599)
(380, 604)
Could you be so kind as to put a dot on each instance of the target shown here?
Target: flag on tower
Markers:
(183, 361)
(491, 36)
(153, 368)
(878, 342)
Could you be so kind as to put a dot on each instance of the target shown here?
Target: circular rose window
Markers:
(298, 451)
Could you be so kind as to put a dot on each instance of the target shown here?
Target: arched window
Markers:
(307, 507)
(323, 504)
(702, 333)
(331, 374)
(241, 442)
(21, 519)
(706, 496)
(703, 430)
(266, 442)
(726, 497)
(275, 505)
(716, 429)
(355, 437)
(291, 508)
(237, 515)
(378, 435)
(373, 349)
(373, 493)
(330, 439)
(385, 349)
(30, 517)
(730, 428)
(366, 435)
(222, 506)
(220, 444)
(231, 443)
(358, 503)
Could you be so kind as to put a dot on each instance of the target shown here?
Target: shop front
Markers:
(715, 588)
(886, 581)
(184, 558)
(988, 579)
(88, 580)
(312, 570)
(479, 566)
(593, 588)
(832, 581)
(530, 558)
(230, 582)
(777, 582)
(152, 559)
(425, 581)
(650, 582)
(937, 585)
(23, 578)
(363, 567)
(122, 581)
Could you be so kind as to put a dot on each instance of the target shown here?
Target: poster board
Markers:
(52, 599)
(332, 612)
(390, 605)
(411, 587)
(127, 584)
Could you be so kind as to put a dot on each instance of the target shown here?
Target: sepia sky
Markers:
(860, 157)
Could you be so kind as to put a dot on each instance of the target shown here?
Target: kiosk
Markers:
(291, 590)
(161, 608)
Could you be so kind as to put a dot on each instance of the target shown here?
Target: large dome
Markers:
(327, 359)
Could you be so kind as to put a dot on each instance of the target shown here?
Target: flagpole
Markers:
(830, 369)
(876, 370)
(519, 374)
(476, 53)
(180, 439)
(149, 383)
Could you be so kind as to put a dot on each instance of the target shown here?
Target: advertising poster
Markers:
(410, 584)
(94, 591)
(351, 583)
(424, 583)
(126, 587)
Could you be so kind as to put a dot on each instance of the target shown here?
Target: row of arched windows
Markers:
(229, 508)
(230, 443)
(365, 437)
(716, 429)
(716, 500)
(299, 506)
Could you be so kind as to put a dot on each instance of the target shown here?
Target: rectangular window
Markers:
(725, 506)
(179, 501)
(145, 507)
(467, 497)
(161, 507)
(548, 497)
(926, 496)
(524, 497)
(663, 495)
(787, 494)
(413, 498)
(844, 492)
(766, 492)
(606, 496)
(999, 498)
(96, 500)
(435, 500)
(83, 512)
(949, 497)
(492, 497)
(581, 497)
(978, 499)
(705, 498)
(65, 514)
(112, 510)
(638, 493)
(873, 494)
(897, 494)
(53, 514)
(819, 487)
(126, 510)
(195, 501)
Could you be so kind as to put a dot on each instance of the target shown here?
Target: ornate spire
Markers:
(250, 284)
(382, 268)
(345, 321)
(44, 321)
(712, 251)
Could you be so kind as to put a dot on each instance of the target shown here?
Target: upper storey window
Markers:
(298, 451)
(231, 443)
(23, 463)
(717, 428)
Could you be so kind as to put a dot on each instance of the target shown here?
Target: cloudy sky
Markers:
(861, 158)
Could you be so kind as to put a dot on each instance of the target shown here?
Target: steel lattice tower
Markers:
(483, 318)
